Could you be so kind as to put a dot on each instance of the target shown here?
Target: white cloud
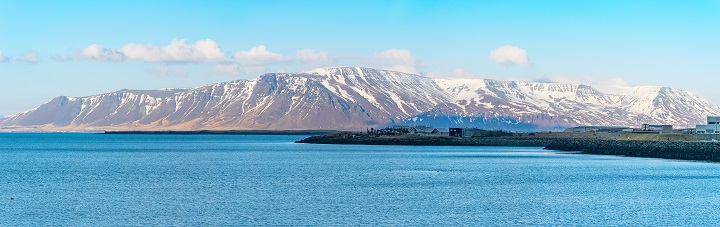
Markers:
(258, 56)
(404, 69)
(456, 73)
(169, 71)
(2, 57)
(98, 52)
(30, 57)
(256, 59)
(202, 51)
(396, 59)
(178, 51)
(510, 55)
(315, 58)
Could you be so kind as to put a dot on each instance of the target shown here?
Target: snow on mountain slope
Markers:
(399, 94)
(328, 98)
(667, 105)
(106, 109)
(357, 98)
(480, 100)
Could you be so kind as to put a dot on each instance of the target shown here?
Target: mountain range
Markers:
(354, 98)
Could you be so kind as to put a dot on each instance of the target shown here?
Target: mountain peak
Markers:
(357, 97)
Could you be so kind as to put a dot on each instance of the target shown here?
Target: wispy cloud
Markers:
(100, 53)
(259, 56)
(3, 59)
(31, 57)
(396, 59)
(455, 73)
(169, 71)
(254, 60)
(178, 51)
(314, 58)
(510, 55)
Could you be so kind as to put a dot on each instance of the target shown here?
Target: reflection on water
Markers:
(89, 179)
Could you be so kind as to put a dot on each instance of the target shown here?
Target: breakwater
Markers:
(704, 151)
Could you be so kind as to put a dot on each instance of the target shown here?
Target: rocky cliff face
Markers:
(354, 98)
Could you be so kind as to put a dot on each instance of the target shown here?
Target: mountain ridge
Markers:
(355, 98)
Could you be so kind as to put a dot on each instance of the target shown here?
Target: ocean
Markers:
(81, 179)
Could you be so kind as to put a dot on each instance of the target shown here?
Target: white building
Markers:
(712, 126)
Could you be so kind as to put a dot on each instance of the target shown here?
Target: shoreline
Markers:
(426, 140)
(678, 150)
(228, 132)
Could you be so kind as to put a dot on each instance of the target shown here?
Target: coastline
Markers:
(679, 150)
(229, 132)
(426, 140)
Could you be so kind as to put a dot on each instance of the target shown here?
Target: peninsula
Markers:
(661, 146)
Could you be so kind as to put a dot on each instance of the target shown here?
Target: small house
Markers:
(455, 132)
(424, 130)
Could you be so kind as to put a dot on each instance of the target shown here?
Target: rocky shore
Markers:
(702, 151)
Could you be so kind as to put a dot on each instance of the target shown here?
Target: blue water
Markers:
(93, 179)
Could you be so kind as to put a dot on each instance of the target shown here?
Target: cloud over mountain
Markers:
(396, 59)
(510, 55)
(254, 60)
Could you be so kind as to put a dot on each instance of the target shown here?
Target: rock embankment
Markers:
(705, 151)
(348, 138)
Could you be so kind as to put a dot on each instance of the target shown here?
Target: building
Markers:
(460, 132)
(424, 130)
(666, 129)
(712, 126)
(455, 132)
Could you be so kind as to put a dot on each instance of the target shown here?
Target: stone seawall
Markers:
(704, 151)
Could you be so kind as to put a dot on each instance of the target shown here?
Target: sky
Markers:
(81, 48)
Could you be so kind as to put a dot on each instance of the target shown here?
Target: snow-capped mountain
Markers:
(535, 106)
(356, 98)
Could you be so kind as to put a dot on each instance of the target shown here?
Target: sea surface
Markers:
(80, 179)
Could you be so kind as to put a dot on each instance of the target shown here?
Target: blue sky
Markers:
(80, 48)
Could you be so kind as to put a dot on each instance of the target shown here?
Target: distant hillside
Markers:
(351, 98)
